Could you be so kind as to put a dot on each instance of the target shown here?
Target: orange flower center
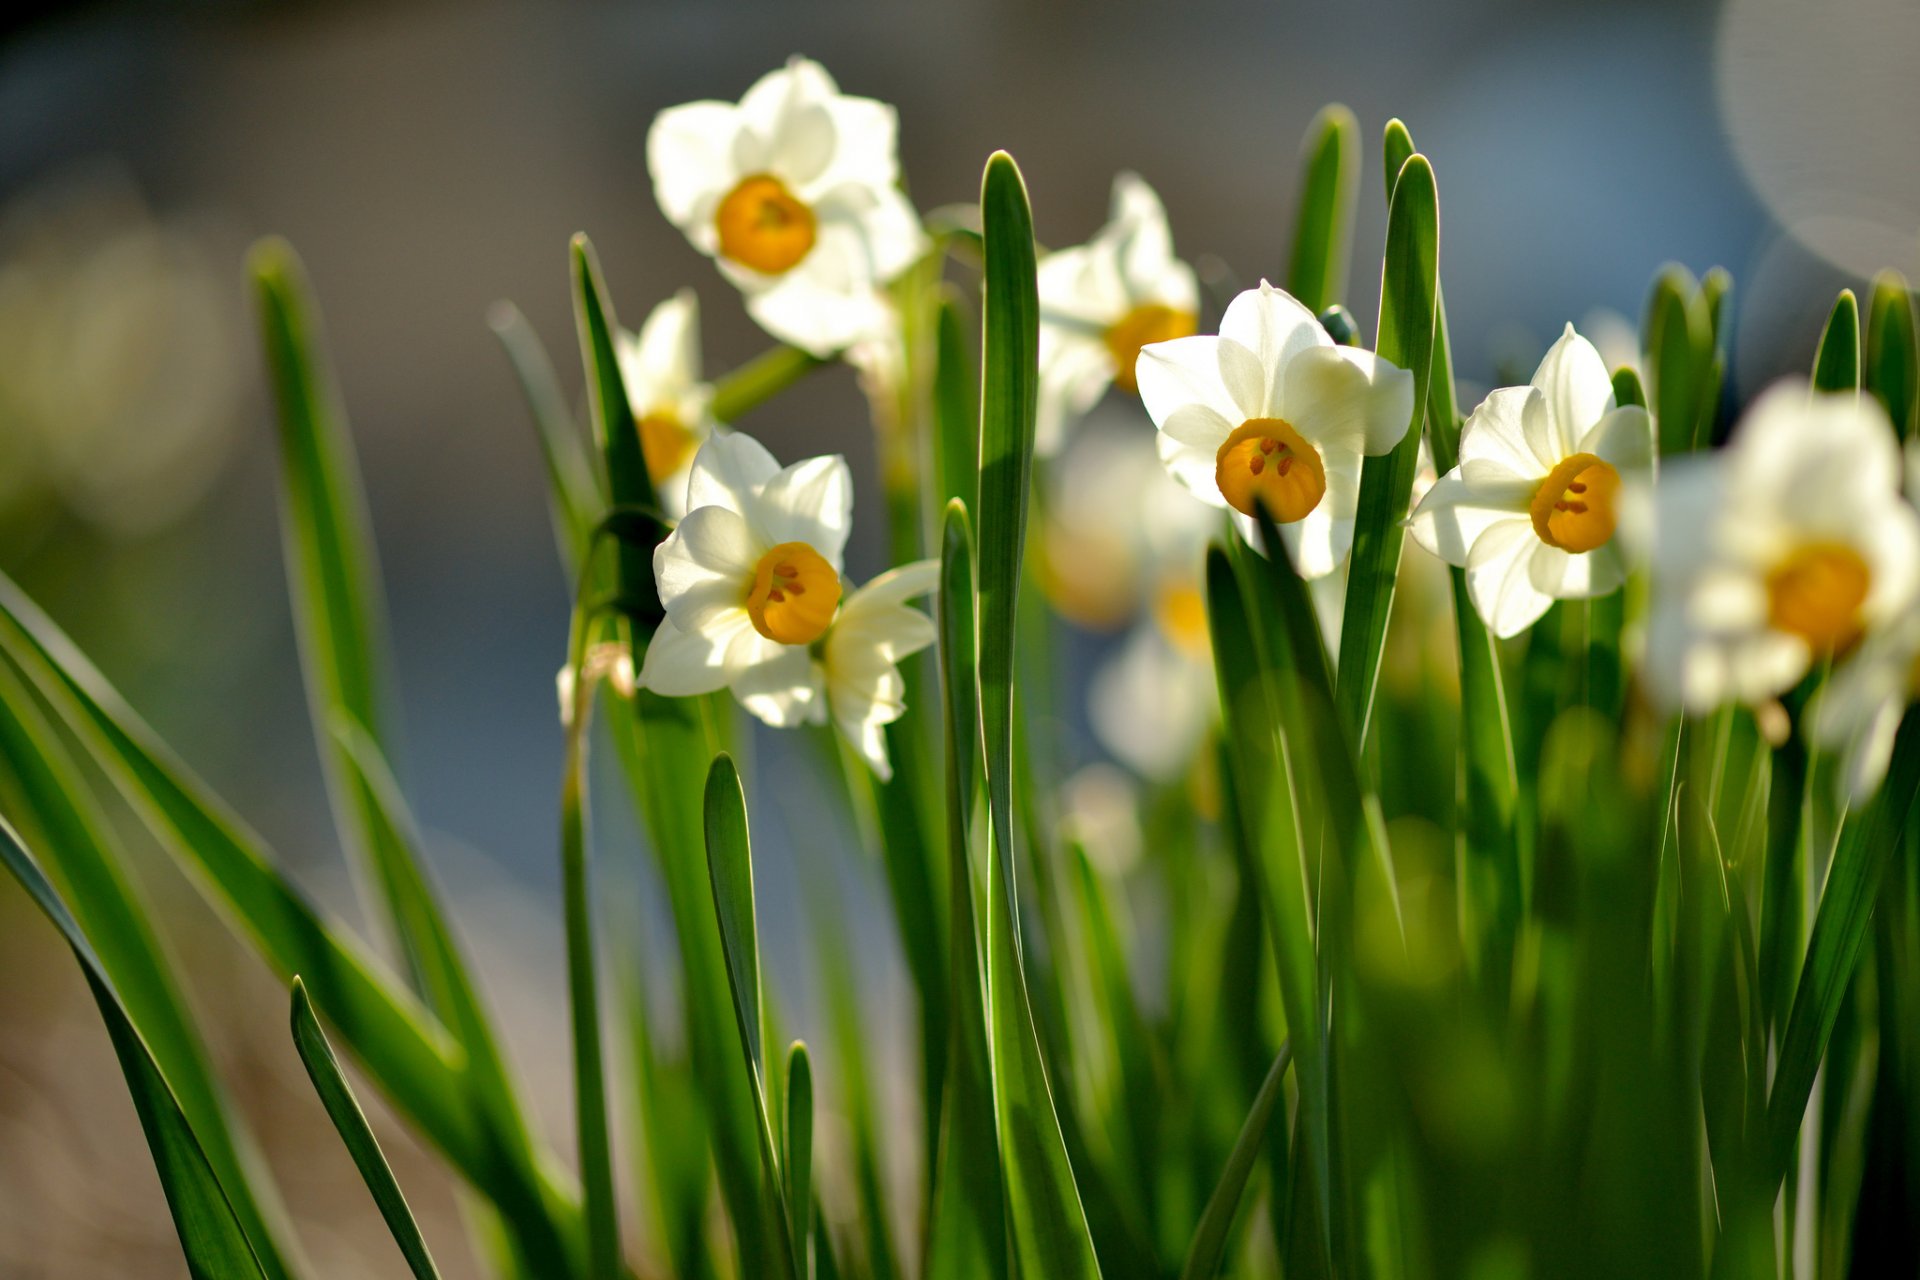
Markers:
(1265, 459)
(1573, 507)
(763, 226)
(665, 443)
(1816, 594)
(794, 594)
(1148, 322)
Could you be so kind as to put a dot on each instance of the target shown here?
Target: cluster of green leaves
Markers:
(1534, 983)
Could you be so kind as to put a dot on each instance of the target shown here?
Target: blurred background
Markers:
(427, 160)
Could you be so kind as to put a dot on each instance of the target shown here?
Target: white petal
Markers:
(729, 469)
(706, 565)
(1622, 438)
(1578, 390)
(690, 157)
(894, 587)
(1568, 576)
(1185, 371)
(1245, 379)
(1317, 544)
(827, 302)
(662, 362)
(1274, 326)
(1193, 468)
(866, 133)
(786, 113)
(782, 691)
(1456, 511)
(811, 502)
(1345, 395)
(1498, 582)
(1151, 705)
(1496, 432)
(1080, 287)
(679, 664)
(1075, 371)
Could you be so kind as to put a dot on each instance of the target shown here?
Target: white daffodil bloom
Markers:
(1272, 410)
(1102, 301)
(1530, 511)
(660, 366)
(750, 578)
(794, 192)
(1790, 544)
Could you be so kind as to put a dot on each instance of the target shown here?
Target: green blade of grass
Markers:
(211, 1237)
(1210, 1238)
(44, 795)
(1408, 280)
(799, 1152)
(402, 1046)
(351, 1123)
(956, 407)
(573, 488)
(1677, 335)
(1049, 1224)
(966, 1234)
(1840, 927)
(1836, 364)
(1893, 353)
(1323, 229)
(730, 872)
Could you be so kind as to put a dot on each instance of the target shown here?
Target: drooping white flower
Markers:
(1102, 301)
(794, 192)
(1790, 544)
(1273, 410)
(1530, 511)
(750, 578)
(660, 366)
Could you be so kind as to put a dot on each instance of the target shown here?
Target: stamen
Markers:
(1563, 517)
(1289, 491)
(794, 594)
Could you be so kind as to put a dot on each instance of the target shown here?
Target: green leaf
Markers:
(351, 1123)
(730, 872)
(573, 488)
(1396, 148)
(966, 1233)
(53, 806)
(1840, 926)
(1408, 283)
(1836, 365)
(759, 380)
(1049, 1224)
(1678, 338)
(956, 406)
(403, 1048)
(1323, 231)
(799, 1150)
(216, 1247)
(1893, 355)
(1210, 1238)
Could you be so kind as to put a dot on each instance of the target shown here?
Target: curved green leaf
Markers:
(1836, 365)
(573, 488)
(799, 1150)
(1678, 338)
(1323, 230)
(351, 1123)
(1210, 1237)
(1892, 370)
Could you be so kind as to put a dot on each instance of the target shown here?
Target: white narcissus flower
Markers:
(794, 192)
(1530, 511)
(1102, 301)
(750, 578)
(1272, 410)
(857, 666)
(1790, 544)
(660, 366)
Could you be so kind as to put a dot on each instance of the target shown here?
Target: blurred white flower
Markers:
(1790, 544)
(661, 368)
(1100, 302)
(1529, 512)
(794, 192)
(1857, 711)
(611, 662)
(750, 578)
(1272, 410)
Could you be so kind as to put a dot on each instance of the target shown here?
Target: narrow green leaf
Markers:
(759, 380)
(351, 1123)
(1049, 1224)
(730, 873)
(1210, 1238)
(404, 1049)
(966, 1234)
(799, 1150)
(1627, 389)
(573, 489)
(1836, 365)
(956, 407)
(42, 792)
(1893, 354)
(1840, 927)
(1678, 338)
(1323, 229)
(215, 1246)
(1396, 148)
(1408, 283)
